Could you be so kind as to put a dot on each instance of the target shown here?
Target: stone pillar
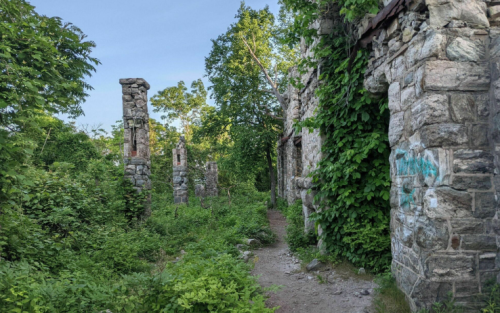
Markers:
(180, 172)
(443, 78)
(199, 191)
(136, 135)
(212, 179)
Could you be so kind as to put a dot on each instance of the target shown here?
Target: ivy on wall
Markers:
(353, 179)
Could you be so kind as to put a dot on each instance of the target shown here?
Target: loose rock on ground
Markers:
(303, 292)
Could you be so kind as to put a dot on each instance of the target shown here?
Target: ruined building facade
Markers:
(438, 61)
(136, 151)
(299, 153)
(180, 172)
(211, 179)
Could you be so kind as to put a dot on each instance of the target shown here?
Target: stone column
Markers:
(212, 179)
(180, 172)
(136, 135)
(442, 71)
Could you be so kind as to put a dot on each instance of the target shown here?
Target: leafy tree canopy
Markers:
(43, 63)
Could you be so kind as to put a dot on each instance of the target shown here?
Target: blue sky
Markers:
(162, 41)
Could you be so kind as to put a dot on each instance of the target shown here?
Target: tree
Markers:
(180, 104)
(243, 63)
(43, 63)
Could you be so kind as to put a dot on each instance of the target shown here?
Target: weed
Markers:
(492, 299)
(321, 280)
(388, 297)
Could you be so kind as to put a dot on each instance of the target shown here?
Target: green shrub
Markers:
(296, 238)
(206, 283)
(113, 264)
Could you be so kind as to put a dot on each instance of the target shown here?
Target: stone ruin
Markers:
(299, 153)
(199, 191)
(180, 173)
(210, 188)
(211, 180)
(439, 63)
(136, 153)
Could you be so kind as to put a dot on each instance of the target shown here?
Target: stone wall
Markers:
(439, 62)
(212, 179)
(299, 154)
(136, 135)
(180, 172)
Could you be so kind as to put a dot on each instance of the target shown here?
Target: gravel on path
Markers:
(301, 290)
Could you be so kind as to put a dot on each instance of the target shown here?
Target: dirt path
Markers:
(301, 291)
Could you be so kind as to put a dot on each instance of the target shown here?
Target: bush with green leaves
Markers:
(72, 246)
(296, 238)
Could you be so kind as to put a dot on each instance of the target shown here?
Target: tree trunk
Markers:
(271, 176)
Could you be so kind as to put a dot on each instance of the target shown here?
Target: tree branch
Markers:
(273, 84)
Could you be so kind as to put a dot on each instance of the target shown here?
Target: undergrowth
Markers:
(296, 238)
(73, 244)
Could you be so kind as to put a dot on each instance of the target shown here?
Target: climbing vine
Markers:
(353, 177)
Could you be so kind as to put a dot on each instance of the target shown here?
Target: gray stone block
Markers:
(467, 226)
(444, 135)
(494, 227)
(485, 205)
(472, 161)
(472, 12)
(431, 234)
(396, 126)
(466, 288)
(487, 261)
(408, 97)
(395, 97)
(479, 135)
(445, 202)
(466, 50)
(432, 109)
(479, 242)
(407, 280)
(463, 108)
(456, 76)
(138, 161)
(450, 267)
(426, 293)
(471, 182)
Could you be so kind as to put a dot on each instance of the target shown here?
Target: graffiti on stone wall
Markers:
(408, 165)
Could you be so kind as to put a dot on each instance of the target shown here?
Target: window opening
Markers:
(134, 142)
(178, 159)
(298, 167)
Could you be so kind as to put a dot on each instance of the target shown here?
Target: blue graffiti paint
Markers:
(407, 165)
(406, 199)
